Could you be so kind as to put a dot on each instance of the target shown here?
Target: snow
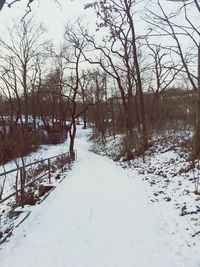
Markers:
(101, 216)
(45, 151)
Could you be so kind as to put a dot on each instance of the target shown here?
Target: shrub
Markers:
(16, 144)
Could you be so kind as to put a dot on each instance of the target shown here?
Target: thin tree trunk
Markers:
(72, 134)
(84, 121)
(196, 142)
(144, 143)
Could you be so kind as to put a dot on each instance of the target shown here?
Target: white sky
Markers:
(55, 17)
(51, 14)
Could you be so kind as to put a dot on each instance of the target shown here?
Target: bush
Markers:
(16, 144)
(132, 147)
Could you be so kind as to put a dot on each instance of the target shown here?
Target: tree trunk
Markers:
(196, 141)
(72, 134)
(144, 141)
(84, 121)
(2, 2)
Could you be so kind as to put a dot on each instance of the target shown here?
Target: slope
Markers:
(100, 216)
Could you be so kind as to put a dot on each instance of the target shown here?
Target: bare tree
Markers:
(20, 63)
(166, 24)
(20, 55)
(75, 45)
(87, 91)
(119, 57)
(163, 72)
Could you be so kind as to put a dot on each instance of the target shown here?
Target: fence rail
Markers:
(25, 175)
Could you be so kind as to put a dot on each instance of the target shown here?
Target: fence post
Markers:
(22, 182)
(62, 169)
(16, 184)
(62, 162)
(49, 170)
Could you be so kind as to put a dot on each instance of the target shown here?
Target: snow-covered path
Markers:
(99, 217)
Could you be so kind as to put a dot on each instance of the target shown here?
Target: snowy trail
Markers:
(99, 217)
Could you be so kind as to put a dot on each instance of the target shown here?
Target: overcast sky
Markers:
(55, 16)
(51, 14)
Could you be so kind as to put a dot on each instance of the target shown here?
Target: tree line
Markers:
(123, 78)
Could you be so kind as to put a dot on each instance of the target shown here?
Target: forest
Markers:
(99, 133)
(135, 72)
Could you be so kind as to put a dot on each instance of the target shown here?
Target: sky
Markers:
(53, 15)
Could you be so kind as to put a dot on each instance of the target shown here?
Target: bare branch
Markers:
(28, 11)
(9, 5)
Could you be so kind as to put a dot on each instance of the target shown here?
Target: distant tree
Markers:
(19, 64)
(163, 72)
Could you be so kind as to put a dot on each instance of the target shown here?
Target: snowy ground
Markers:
(101, 216)
(8, 182)
(45, 151)
(167, 170)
